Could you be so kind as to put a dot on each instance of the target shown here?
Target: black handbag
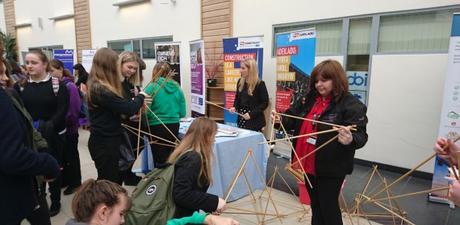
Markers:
(126, 154)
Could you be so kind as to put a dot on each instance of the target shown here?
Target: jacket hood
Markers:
(170, 86)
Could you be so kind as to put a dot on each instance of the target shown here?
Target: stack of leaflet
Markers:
(226, 132)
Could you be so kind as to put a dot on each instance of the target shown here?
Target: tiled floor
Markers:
(419, 210)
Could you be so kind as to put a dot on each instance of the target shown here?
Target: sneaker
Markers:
(70, 190)
(55, 208)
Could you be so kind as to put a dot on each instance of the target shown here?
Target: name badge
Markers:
(311, 140)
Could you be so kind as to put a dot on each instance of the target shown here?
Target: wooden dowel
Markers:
(317, 149)
(388, 210)
(170, 132)
(411, 194)
(252, 213)
(218, 106)
(299, 136)
(143, 132)
(317, 121)
(238, 174)
(454, 169)
(139, 133)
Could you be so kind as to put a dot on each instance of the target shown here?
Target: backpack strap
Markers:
(55, 83)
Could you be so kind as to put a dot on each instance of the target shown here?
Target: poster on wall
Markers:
(66, 57)
(198, 79)
(169, 52)
(295, 59)
(449, 126)
(236, 50)
(358, 82)
(87, 58)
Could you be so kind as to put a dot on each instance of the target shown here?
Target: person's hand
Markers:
(147, 98)
(219, 220)
(454, 193)
(450, 152)
(275, 116)
(221, 206)
(246, 116)
(232, 109)
(345, 136)
(134, 118)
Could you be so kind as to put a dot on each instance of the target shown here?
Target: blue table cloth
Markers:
(229, 153)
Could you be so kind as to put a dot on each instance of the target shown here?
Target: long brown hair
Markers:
(330, 70)
(253, 76)
(161, 69)
(58, 64)
(126, 57)
(6, 69)
(91, 194)
(199, 138)
(104, 74)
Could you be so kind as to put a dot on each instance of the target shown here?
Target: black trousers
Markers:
(41, 215)
(161, 152)
(105, 152)
(56, 145)
(324, 199)
(72, 172)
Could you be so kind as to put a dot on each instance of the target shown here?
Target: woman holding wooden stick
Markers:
(251, 97)
(449, 151)
(328, 101)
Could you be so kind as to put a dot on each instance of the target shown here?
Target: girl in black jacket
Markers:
(328, 101)
(106, 104)
(251, 97)
(47, 100)
(192, 159)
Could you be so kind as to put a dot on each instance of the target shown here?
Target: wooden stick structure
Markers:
(151, 142)
(299, 136)
(410, 194)
(388, 210)
(305, 177)
(170, 132)
(218, 106)
(353, 127)
(316, 149)
(139, 133)
(143, 132)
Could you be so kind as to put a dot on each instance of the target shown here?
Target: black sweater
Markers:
(19, 164)
(187, 194)
(105, 114)
(256, 104)
(44, 105)
(335, 159)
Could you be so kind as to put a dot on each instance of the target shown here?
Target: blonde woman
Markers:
(193, 174)
(251, 97)
(168, 105)
(106, 104)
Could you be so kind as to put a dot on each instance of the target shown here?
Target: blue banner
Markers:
(66, 57)
(235, 51)
(295, 59)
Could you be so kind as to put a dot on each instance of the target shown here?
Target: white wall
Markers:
(402, 129)
(60, 32)
(182, 20)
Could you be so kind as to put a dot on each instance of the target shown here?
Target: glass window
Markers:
(137, 47)
(120, 46)
(148, 46)
(328, 36)
(359, 39)
(415, 33)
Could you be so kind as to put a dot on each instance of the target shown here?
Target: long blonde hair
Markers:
(252, 78)
(161, 69)
(199, 138)
(104, 74)
(126, 57)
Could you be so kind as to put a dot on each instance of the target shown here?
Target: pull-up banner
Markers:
(236, 50)
(295, 59)
(197, 67)
(449, 126)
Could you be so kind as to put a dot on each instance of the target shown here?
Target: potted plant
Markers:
(211, 71)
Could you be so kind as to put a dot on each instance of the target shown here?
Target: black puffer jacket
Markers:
(334, 159)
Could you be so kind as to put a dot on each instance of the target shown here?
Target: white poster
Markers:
(87, 58)
(449, 126)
